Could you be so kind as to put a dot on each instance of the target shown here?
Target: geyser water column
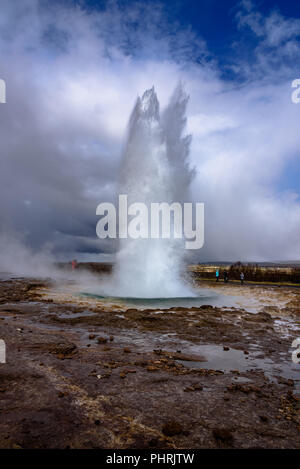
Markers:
(154, 169)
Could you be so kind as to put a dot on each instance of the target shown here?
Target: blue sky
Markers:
(73, 71)
(213, 20)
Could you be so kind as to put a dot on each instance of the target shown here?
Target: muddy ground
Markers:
(79, 374)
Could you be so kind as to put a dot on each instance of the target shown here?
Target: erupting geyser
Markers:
(154, 169)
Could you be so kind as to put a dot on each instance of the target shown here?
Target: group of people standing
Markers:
(226, 276)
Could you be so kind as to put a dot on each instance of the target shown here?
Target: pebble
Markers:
(101, 340)
(152, 368)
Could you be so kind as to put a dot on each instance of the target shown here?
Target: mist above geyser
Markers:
(155, 168)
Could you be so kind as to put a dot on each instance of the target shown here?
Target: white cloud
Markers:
(278, 47)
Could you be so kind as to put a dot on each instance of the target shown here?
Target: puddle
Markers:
(218, 359)
(284, 326)
(80, 314)
(242, 379)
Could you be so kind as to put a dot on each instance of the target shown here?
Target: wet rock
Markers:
(152, 368)
(138, 442)
(31, 286)
(16, 446)
(225, 348)
(198, 387)
(172, 428)
(271, 309)
(141, 363)
(222, 434)
(152, 443)
(288, 382)
(92, 336)
(101, 340)
(109, 365)
(259, 317)
(126, 350)
(189, 389)
(194, 387)
(63, 350)
(246, 389)
(263, 418)
(179, 356)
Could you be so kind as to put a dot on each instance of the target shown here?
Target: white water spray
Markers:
(155, 169)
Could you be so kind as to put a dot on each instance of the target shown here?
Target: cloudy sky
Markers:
(73, 70)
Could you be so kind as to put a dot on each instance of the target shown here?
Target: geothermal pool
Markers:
(203, 297)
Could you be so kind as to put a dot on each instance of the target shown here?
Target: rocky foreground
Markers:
(79, 375)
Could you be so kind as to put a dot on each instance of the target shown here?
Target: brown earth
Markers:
(80, 374)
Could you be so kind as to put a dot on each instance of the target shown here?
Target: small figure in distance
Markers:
(74, 264)
(242, 277)
(217, 275)
(225, 276)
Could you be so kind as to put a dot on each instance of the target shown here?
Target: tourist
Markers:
(242, 276)
(217, 275)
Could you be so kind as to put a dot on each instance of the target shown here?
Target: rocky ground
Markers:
(79, 374)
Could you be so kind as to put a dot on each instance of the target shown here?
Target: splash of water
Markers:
(155, 169)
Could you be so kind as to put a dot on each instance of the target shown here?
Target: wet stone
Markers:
(172, 428)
